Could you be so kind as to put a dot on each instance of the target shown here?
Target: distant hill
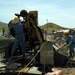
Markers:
(47, 26)
(52, 27)
(2, 24)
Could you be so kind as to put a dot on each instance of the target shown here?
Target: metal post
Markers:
(47, 24)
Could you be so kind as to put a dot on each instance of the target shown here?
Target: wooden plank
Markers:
(32, 70)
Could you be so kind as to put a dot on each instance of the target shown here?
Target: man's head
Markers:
(66, 33)
(23, 13)
(16, 19)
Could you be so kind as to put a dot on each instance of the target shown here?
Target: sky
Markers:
(60, 12)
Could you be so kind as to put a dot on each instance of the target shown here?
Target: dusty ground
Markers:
(66, 71)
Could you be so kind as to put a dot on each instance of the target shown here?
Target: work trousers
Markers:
(72, 53)
(19, 39)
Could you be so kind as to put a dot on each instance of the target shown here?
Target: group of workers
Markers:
(18, 28)
(20, 39)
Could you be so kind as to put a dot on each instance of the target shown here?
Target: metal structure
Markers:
(32, 32)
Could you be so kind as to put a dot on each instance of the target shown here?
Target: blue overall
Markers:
(71, 42)
(19, 38)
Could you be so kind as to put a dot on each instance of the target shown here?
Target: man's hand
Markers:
(60, 47)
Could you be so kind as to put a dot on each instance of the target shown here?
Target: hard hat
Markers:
(16, 19)
(23, 13)
(65, 33)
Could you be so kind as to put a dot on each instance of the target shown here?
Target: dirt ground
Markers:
(65, 71)
(68, 71)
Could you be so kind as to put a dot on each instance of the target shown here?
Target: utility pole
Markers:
(47, 24)
(44, 65)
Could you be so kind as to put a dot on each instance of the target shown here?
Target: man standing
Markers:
(19, 36)
(70, 42)
(3, 31)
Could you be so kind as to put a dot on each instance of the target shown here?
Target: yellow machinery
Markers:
(33, 34)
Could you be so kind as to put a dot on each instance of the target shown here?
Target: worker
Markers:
(70, 42)
(19, 36)
(3, 31)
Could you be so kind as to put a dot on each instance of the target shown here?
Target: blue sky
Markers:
(61, 12)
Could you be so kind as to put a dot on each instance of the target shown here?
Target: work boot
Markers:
(10, 60)
(24, 58)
